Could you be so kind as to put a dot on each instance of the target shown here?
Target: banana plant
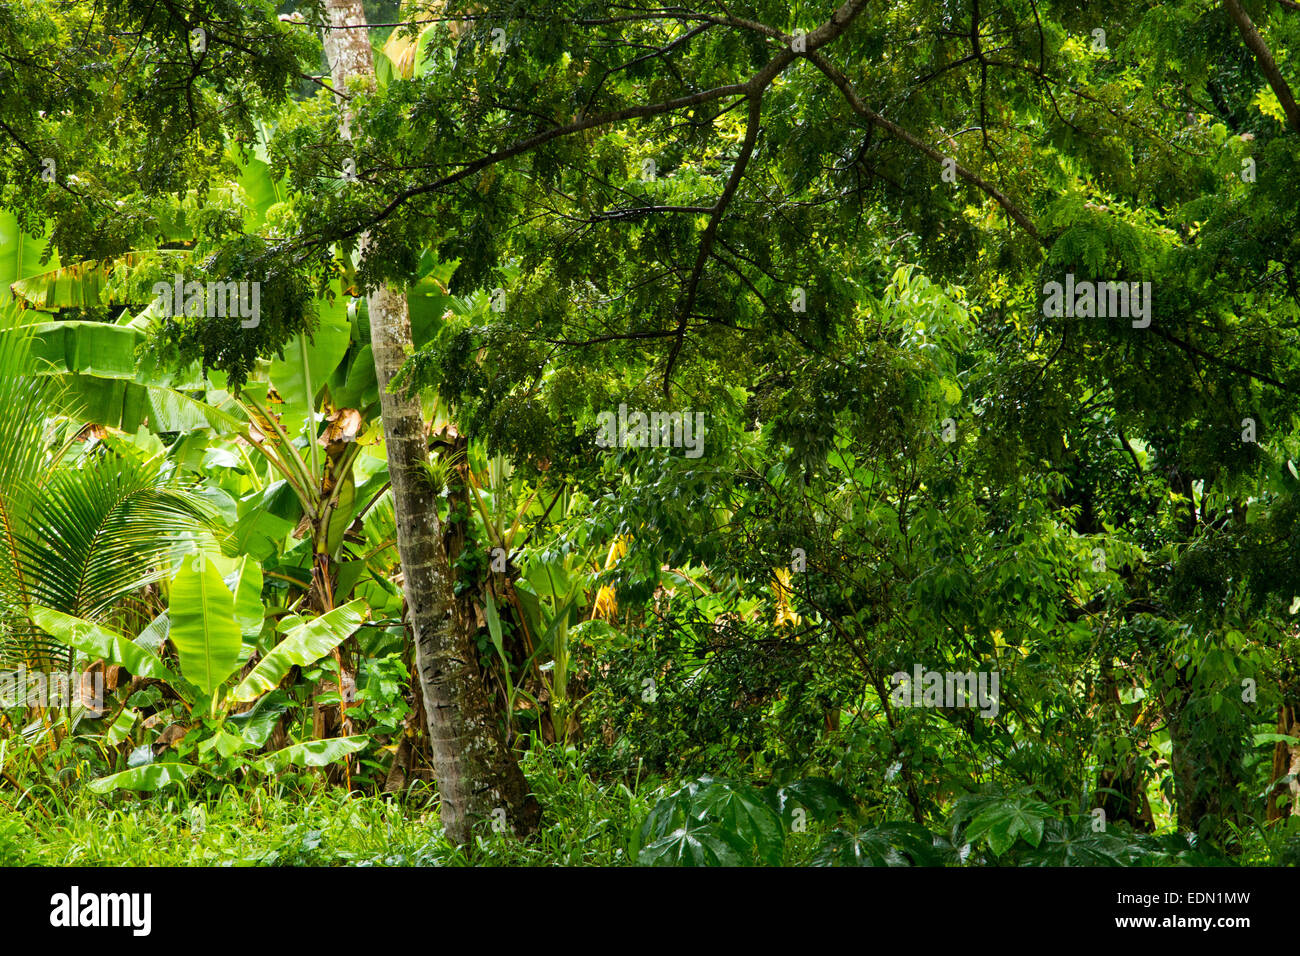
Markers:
(214, 629)
(84, 524)
(555, 673)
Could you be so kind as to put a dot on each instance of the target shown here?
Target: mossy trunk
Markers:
(477, 775)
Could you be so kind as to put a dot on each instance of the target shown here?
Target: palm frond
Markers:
(101, 531)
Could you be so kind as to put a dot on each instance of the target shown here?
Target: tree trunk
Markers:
(1122, 787)
(1284, 799)
(477, 775)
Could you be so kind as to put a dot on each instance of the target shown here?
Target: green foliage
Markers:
(302, 645)
(907, 459)
(723, 823)
(890, 844)
(203, 625)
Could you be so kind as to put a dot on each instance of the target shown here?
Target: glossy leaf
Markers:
(888, 845)
(313, 753)
(203, 626)
(96, 641)
(302, 645)
(1004, 821)
(152, 776)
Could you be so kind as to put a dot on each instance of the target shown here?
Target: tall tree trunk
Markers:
(478, 777)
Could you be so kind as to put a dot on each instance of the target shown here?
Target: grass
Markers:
(295, 822)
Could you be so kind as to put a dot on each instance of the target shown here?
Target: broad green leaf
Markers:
(1077, 845)
(90, 348)
(427, 303)
(1003, 821)
(888, 845)
(261, 190)
(155, 633)
(383, 68)
(671, 812)
(265, 519)
(549, 579)
(349, 573)
(120, 731)
(81, 284)
(427, 51)
(153, 776)
(740, 810)
(309, 362)
(303, 645)
(820, 799)
(174, 411)
(249, 612)
(355, 386)
(341, 517)
(313, 753)
(225, 744)
(203, 626)
(20, 255)
(696, 844)
(256, 724)
(96, 641)
(712, 822)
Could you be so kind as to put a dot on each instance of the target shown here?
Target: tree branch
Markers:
(828, 31)
(1265, 60)
(839, 79)
(711, 230)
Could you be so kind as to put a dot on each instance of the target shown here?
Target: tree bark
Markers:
(478, 777)
(1285, 799)
(1264, 58)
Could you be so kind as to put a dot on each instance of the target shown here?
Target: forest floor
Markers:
(300, 821)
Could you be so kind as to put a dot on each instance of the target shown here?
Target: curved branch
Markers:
(839, 79)
(711, 230)
(827, 32)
